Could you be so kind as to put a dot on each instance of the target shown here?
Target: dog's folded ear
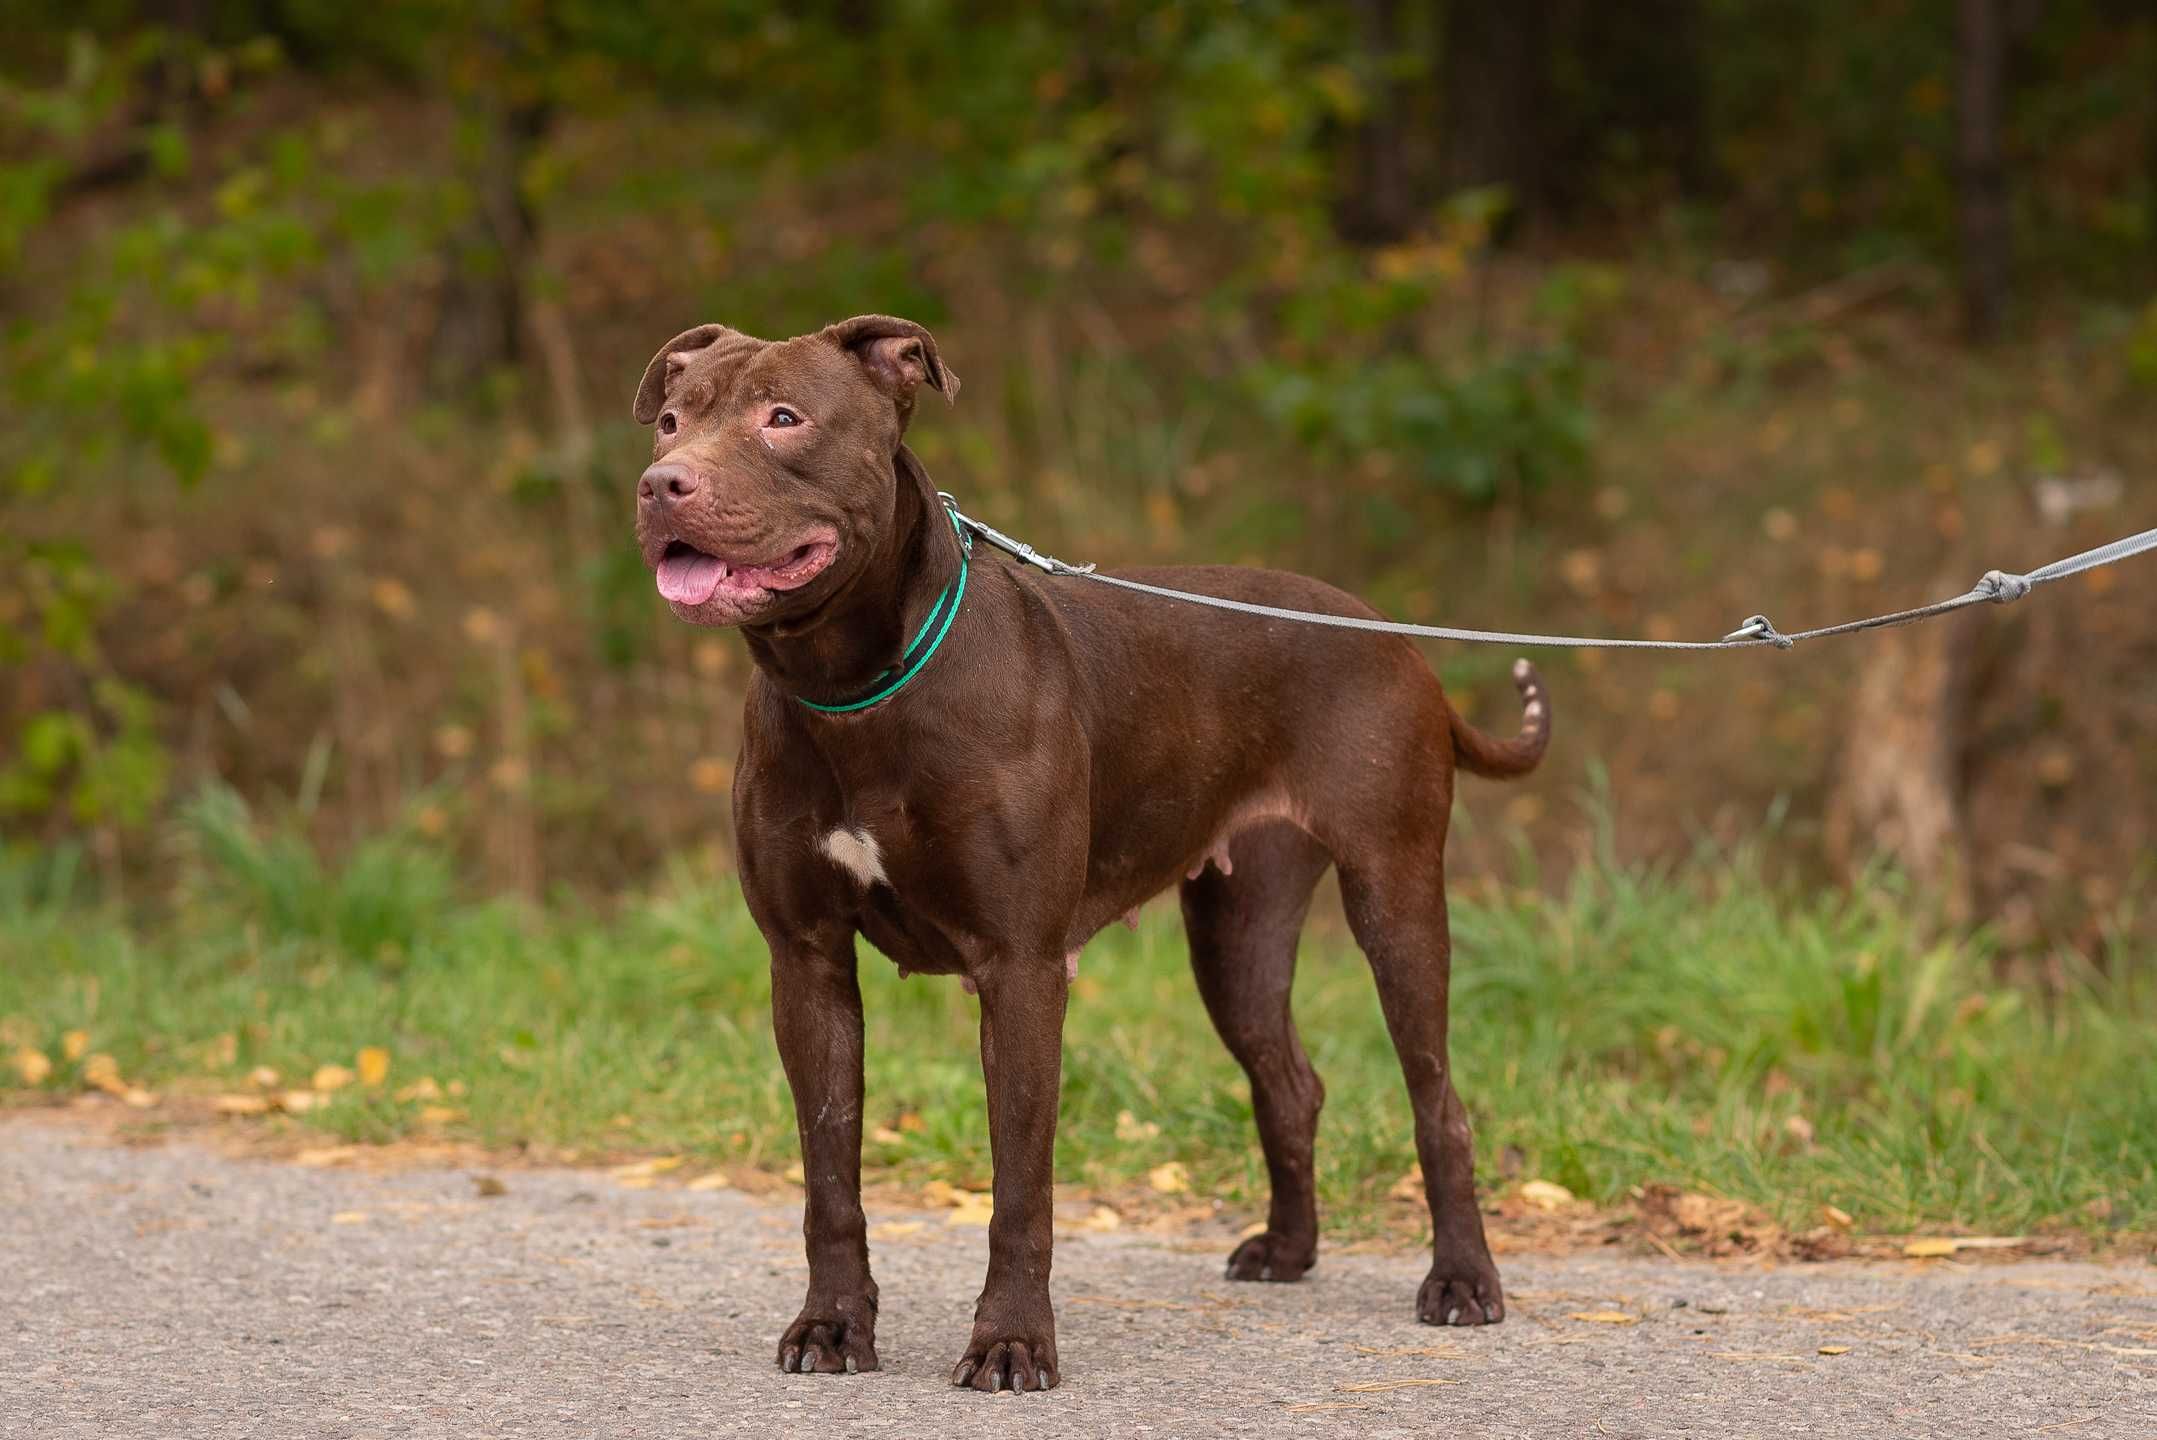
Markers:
(672, 359)
(898, 354)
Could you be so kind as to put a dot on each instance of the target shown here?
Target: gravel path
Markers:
(172, 1291)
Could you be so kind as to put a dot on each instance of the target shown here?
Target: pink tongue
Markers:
(690, 578)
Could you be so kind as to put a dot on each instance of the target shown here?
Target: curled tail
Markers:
(1479, 754)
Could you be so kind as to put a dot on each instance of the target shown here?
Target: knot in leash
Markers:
(2002, 588)
(1759, 627)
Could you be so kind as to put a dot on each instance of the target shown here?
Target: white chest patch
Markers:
(855, 852)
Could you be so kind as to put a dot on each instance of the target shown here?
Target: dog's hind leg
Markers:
(1243, 928)
(1395, 897)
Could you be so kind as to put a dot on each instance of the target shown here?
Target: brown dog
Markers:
(1060, 754)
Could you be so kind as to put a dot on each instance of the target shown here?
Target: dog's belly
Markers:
(1132, 863)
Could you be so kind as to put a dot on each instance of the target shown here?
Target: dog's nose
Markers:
(668, 483)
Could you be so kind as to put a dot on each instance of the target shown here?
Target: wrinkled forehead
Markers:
(738, 369)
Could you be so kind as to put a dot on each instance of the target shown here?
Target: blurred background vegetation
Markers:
(321, 325)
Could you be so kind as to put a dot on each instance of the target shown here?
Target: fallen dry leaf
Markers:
(349, 1217)
(1102, 1220)
(1836, 1216)
(1169, 1178)
(423, 1088)
(332, 1077)
(299, 1102)
(885, 1135)
(980, 1212)
(1408, 1187)
(795, 1173)
(943, 1192)
(488, 1187)
(321, 1155)
(138, 1098)
(32, 1065)
(263, 1077)
(658, 1165)
(1374, 1387)
(102, 1072)
(1130, 1128)
(74, 1045)
(716, 1180)
(240, 1105)
(1604, 1317)
(896, 1229)
(1834, 1349)
(439, 1114)
(1546, 1194)
(373, 1063)
(1937, 1247)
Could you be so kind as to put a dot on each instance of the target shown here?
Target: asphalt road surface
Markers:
(170, 1290)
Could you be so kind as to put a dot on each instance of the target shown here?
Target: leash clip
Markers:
(1009, 546)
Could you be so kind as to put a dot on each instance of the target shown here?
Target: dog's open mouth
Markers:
(693, 577)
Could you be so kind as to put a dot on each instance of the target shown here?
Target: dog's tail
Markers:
(1479, 754)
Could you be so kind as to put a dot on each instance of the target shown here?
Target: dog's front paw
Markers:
(1271, 1255)
(1461, 1294)
(994, 1363)
(830, 1339)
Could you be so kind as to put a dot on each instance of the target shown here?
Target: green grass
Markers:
(1636, 1028)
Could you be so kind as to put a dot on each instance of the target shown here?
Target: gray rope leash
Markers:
(1997, 587)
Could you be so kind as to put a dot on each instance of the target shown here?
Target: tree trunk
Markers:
(480, 315)
(1495, 87)
(1980, 170)
(1377, 202)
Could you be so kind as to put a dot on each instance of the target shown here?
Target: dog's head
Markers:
(773, 475)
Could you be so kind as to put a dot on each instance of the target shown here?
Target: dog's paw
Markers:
(996, 1365)
(1271, 1255)
(831, 1339)
(1461, 1295)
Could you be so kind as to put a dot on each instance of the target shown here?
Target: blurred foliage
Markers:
(195, 210)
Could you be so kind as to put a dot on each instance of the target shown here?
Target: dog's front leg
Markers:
(816, 1014)
(1022, 1016)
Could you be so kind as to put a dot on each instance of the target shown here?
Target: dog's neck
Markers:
(837, 654)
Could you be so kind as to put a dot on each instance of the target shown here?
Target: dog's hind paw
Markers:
(1273, 1256)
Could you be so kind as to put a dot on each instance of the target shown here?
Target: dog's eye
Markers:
(667, 423)
(781, 416)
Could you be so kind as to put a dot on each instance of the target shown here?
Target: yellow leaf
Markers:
(349, 1217)
(717, 1180)
(299, 1102)
(138, 1098)
(978, 1212)
(423, 1088)
(941, 1192)
(1546, 1194)
(896, 1229)
(1836, 1216)
(1170, 1178)
(1103, 1220)
(795, 1173)
(912, 1123)
(439, 1114)
(74, 1044)
(885, 1135)
(32, 1065)
(324, 1155)
(1604, 1317)
(1935, 1247)
(240, 1105)
(373, 1065)
(1834, 1349)
(658, 1165)
(264, 1076)
(103, 1072)
(1130, 1128)
(332, 1077)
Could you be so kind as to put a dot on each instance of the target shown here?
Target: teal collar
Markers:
(923, 646)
